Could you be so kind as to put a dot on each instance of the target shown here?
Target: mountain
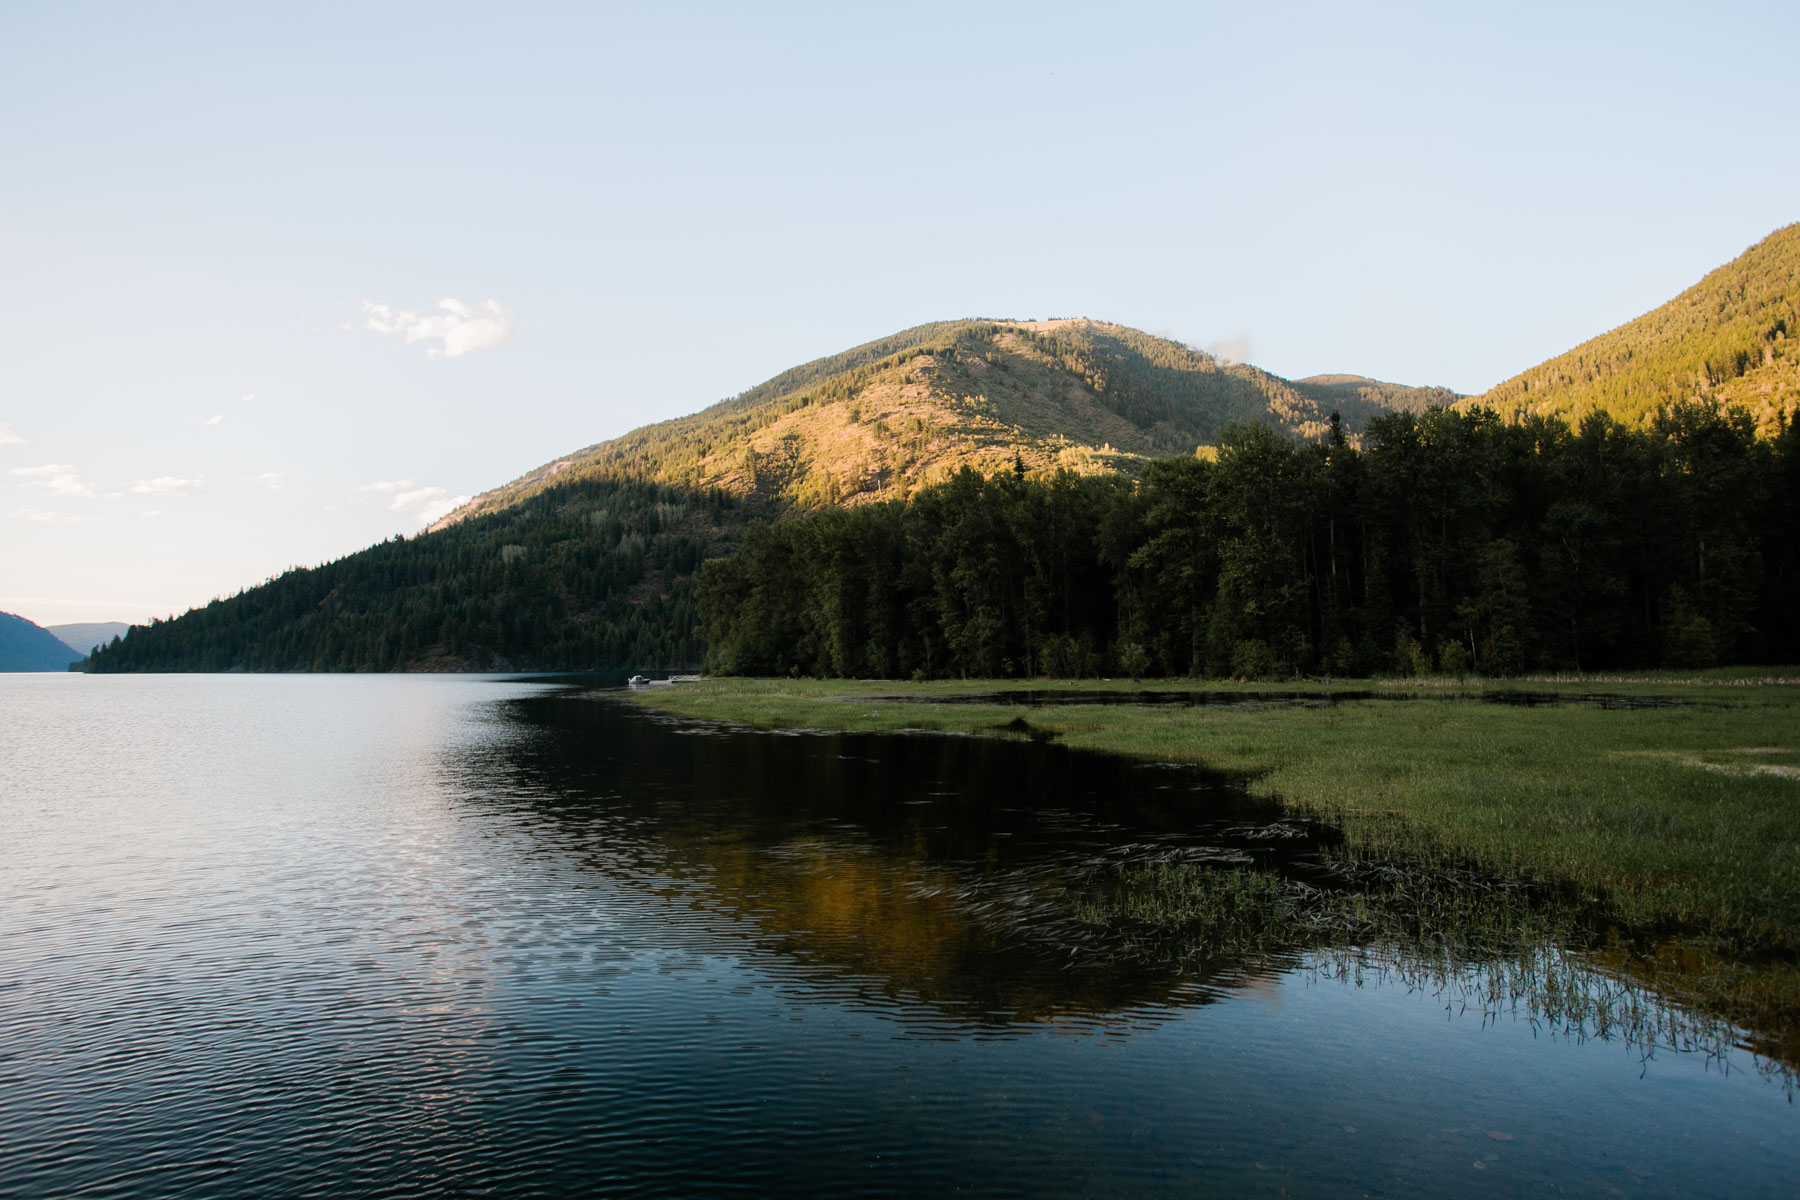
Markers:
(881, 420)
(25, 646)
(589, 560)
(1733, 337)
(1357, 393)
(83, 637)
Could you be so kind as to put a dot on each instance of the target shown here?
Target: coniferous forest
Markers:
(577, 576)
(1451, 542)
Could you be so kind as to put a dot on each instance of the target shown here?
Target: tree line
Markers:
(1450, 541)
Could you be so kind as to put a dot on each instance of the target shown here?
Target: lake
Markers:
(300, 935)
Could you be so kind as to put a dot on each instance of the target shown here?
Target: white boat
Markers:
(637, 681)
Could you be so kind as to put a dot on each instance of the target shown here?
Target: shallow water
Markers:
(290, 935)
(1320, 698)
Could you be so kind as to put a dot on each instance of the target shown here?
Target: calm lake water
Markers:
(314, 935)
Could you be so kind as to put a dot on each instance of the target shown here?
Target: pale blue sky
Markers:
(669, 204)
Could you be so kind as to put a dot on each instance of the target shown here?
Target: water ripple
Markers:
(298, 936)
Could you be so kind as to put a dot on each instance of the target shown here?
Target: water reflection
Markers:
(971, 884)
(933, 871)
(400, 936)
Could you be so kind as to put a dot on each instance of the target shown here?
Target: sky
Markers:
(282, 281)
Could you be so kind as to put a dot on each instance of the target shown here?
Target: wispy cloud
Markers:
(387, 486)
(59, 479)
(432, 503)
(459, 328)
(420, 498)
(41, 514)
(215, 420)
(1230, 350)
(246, 398)
(151, 512)
(8, 436)
(166, 485)
(269, 479)
(424, 504)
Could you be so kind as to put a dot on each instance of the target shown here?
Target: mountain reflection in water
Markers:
(928, 870)
(963, 883)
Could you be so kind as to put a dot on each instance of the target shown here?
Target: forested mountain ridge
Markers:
(1340, 392)
(1558, 541)
(1732, 337)
(879, 421)
(590, 561)
(577, 575)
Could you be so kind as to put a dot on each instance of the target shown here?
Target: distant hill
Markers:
(1733, 337)
(1356, 393)
(883, 419)
(25, 646)
(82, 637)
(589, 560)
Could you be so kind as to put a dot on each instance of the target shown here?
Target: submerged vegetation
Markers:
(1495, 948)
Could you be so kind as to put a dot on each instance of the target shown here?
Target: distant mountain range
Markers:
(27, 646)
(82, 637)
(588, 560)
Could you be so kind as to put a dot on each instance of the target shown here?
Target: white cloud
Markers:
(246, 398)
(459, 327)
(151, 512)
(431, 512)
(1230, 350)
(215, 420)
(424, 504)
(166, 485)
(39, 514)
(8, 437)
(425, 496)
(269, 479)
(59, 479)
(387, 486)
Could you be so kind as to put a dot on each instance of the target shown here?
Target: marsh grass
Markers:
(1566, 995)
(1197, 906)
(1492, 949)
